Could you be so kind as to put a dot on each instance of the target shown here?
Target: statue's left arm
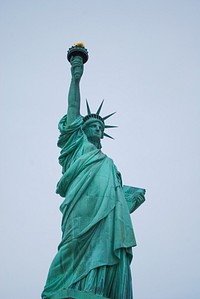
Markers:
(134, 197)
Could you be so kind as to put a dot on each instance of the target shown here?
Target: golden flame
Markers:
(79, 44)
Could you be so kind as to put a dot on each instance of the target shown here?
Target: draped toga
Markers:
(94, 256)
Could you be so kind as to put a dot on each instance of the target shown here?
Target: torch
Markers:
(78, 50)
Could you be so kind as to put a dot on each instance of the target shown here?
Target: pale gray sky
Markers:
(144, 61)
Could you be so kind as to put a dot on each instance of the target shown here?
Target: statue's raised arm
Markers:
(73, 110)
(77, 56)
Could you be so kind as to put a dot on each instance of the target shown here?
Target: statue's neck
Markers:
(96, 143)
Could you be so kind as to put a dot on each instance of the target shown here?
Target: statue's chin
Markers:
(94, 138)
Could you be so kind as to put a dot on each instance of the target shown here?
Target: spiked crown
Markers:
(96, 116)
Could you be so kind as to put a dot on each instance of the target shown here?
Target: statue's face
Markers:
(94, 130)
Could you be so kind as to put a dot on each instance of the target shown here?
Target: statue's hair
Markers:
(93, 116)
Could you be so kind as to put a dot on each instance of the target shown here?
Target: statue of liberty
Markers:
(94, 256)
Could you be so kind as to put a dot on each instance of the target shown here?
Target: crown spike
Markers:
(108, 126)
(88, 107)
(107, 135)
(107, 116)
(99, 109)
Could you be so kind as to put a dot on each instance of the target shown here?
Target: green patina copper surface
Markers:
(94, 256)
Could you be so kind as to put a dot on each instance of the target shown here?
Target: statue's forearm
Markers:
(74, 91)
(73, 110)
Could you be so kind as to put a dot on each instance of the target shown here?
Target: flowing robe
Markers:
(94, 256)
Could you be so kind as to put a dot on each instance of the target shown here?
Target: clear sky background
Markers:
(144, 61)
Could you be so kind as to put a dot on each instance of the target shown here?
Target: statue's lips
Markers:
(97, 134)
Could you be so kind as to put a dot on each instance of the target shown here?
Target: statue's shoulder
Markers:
(69, 133)
(63, 125)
